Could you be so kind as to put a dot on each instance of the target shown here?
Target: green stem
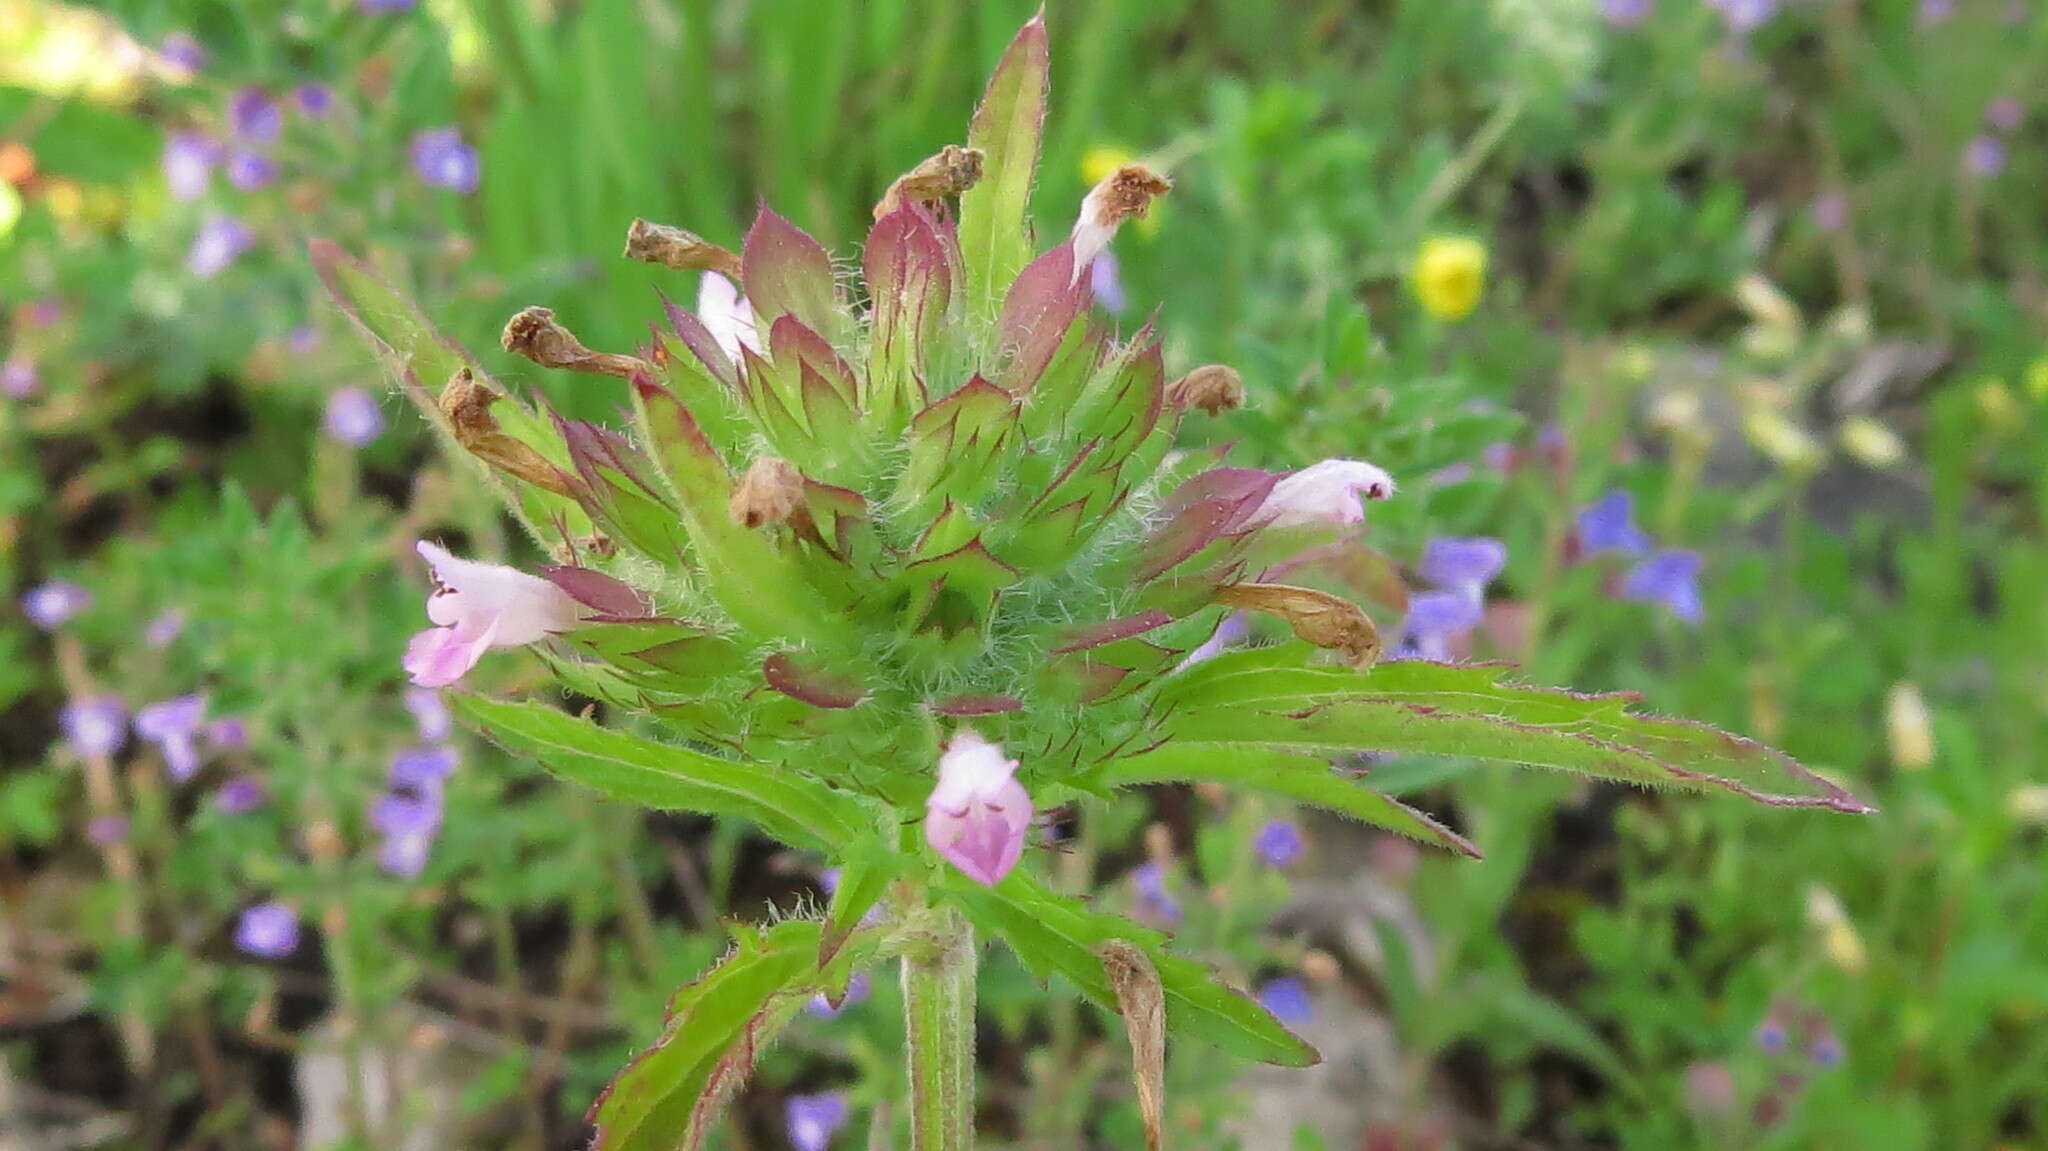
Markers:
(938, 1017)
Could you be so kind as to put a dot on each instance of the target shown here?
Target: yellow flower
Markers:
(1873, 444)
(1909, 731)
(2037, 378)
(1449, 275)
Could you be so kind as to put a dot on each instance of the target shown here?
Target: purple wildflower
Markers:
(429, 713)
(182, 53)
(254, 116)
(1106, 280)
(858, 988)
(1287, 998)
(814, 1119)
(442, 160)
(1609, 524)
(50, 605)
(409, 824)
(1710, 1088)
(1154, 901)
(1830, 211)
(172, 726)
(218, 243)
(315, 100)
(1435, 618)
(302, 339)
(249, 171)
(18, 378)
(1671, 578)
(1499, 455)
(353, 417)
(1985, 156)
(423, 769)
(1465, 566)
(188, 163)
(240, 795)
(1232, 630)
(1934, 12)
(228, 733)
(1745, 16)
(1280, 843)
(1625, 13)
(1825, 1050)
(94, 726)
(107, 830)
(164, 629)
(2005, 113)
(1770, 1035)
(267, 931)
(376, 6)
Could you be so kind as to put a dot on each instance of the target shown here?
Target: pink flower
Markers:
(977, 814)
(1322, 493)
(728, 318)
(479, 606)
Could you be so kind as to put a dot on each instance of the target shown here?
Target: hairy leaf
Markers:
(995, 241)
(795, 809)
(1273, 699)
(1055, 934)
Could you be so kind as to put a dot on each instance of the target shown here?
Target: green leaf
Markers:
(1304, 778)
(995, 241)
(1056, 934)
(795, 809)
(866, 869)
(416, 355)
(671, 1094)
(1274, 700)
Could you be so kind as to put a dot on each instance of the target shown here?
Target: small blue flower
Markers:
(254, 116)
(18, 377)
(1287, 998)
(442, 160)
(814, 1119)
(240, 795)
(94, 726)
(1463, 565)
(164, 629)
(188, 163)
(858, 988)
(248, 171)
(1435, 618)
(315, 100)
(429, 713)
(1609, 524)
(423, 768)
(1985, 156)
(1280, 843)
(1770, 1037)
(1624, 13)
(107, 830)
(219, 242)
(50, 605)
(1826, 1050)
(1154, 901)
(173, 726)
(182, 53)
(353, 417)
(268, 931)
(1670, 578)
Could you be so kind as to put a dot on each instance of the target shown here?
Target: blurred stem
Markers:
(1453, 177)
(938, 1019)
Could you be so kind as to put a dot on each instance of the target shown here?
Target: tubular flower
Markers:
(1328, 492)
(173, 725)
(479, 606)
(1608, 524)
(729, 318)
(977, 815)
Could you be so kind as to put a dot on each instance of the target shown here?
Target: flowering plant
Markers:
(886, 571)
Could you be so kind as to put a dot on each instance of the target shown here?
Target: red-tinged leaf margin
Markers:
(993, 230)
(788, 273)
(787, 675)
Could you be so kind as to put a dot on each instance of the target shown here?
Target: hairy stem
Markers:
(938, 1014)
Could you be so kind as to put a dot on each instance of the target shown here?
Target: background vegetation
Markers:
(1776, 271)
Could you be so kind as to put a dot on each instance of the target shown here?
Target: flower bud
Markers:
(1766, 304)
(1909, 731)
(948, 173)
(1213, 388)
(1125, 194)
(1871, 443)
(977, 815)
(1449, 275)
(466, 404)
(1786, 443)
(675, 248)
(533, 333)
(768, 494)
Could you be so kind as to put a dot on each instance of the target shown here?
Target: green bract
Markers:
(945, 495)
